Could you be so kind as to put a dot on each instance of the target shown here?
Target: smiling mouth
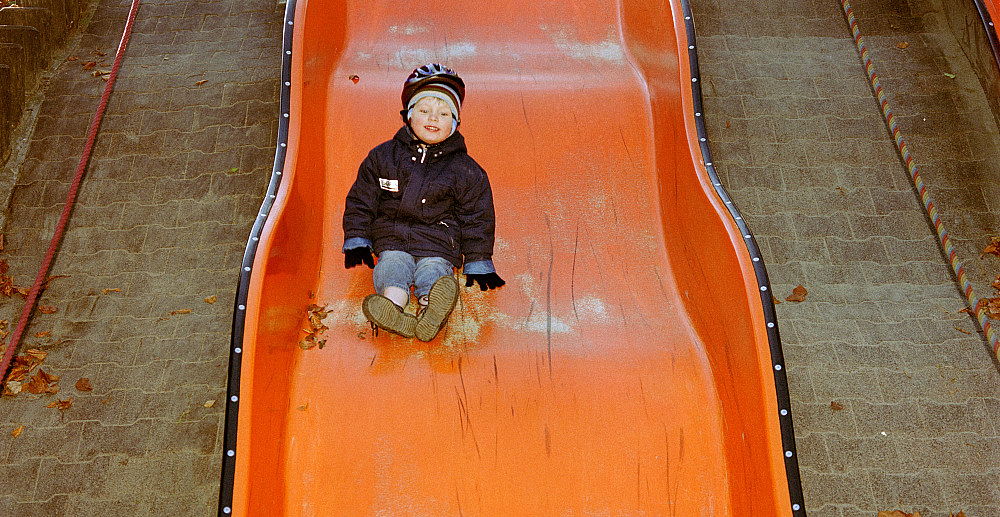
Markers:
(432, 128)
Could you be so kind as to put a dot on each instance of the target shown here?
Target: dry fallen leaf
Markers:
(211, 299)
(993, 307)
(17, 432)
(47, 377)
(61, 404)
(354, 79)
(89, 64)
(47, 309)
(6, 285)
(11, 388)
(42, 382)
(836, 406)
(180, 311)
(72, 58)
(996, 283)
(993, 248)
(902, 44)
(36, 385)
(303, 407)
(47, 333)
(83, 384)
(36, 354)
(209, 403)
(201, 82)
(798, 294)
(111, 290)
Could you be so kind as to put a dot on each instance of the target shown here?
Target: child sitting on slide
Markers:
(424, 207)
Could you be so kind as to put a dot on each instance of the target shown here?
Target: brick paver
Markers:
(180, 168)
(798, 139)
(160, 224)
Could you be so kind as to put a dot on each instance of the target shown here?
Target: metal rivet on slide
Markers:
(238, 350)
(230, 453)
(763, 288)
(784, 412)
(234, 398)
(777, 367)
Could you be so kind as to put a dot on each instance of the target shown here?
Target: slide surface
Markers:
(628, 367)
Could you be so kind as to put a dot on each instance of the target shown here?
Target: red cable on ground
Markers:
(29, 305)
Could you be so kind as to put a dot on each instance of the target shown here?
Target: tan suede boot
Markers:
(387, 315)
(440, 302)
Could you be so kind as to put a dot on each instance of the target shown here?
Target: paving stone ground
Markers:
(177, 174)
(180, 168)
(798, 137)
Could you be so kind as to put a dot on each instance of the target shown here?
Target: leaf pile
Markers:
(315, 315)
(24, 377)
(992, 305)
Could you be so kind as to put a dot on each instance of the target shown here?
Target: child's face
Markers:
(431, 120)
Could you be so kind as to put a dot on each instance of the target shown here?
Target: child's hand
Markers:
(487, 281)
(355, 256)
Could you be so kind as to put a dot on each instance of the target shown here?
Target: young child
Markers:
(424, 207)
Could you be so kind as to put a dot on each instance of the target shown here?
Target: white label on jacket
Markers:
(390, 185)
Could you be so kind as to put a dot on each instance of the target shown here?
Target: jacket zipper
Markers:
(423, 153)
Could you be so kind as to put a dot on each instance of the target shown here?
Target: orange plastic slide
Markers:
(631, 364)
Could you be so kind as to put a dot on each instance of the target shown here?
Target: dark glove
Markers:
(487, 281)
(355, 256)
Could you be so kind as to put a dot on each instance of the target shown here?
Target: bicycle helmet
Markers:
(433, 80)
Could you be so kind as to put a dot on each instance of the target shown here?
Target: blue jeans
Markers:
(400, 269)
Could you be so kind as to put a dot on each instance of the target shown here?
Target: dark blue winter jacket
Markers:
(426, 200)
